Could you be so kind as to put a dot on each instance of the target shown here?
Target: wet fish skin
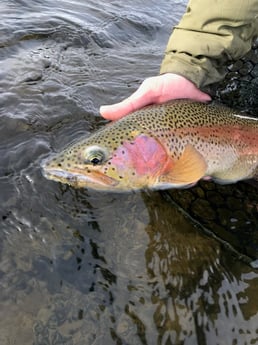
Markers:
(172, 145)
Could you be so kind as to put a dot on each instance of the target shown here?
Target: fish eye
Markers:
(95, 155)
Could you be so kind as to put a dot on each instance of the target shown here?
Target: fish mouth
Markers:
(77, 178)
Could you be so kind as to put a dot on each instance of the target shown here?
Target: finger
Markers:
(198, 95)
(137, 100)
(116, 111)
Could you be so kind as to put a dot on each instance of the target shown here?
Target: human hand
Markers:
(158, 89)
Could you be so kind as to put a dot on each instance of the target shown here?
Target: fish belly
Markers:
(243, 168)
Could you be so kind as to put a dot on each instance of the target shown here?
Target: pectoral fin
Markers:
(189, 168)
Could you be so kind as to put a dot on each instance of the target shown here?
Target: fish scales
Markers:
(162, 146)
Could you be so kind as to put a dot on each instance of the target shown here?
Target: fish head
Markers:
(110, 160)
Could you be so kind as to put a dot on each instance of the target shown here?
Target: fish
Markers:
(161, 146)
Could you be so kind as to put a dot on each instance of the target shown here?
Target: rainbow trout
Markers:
(172, 145)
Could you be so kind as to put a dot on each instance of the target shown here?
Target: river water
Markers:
(79, 267)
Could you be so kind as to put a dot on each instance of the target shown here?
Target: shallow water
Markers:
(81, 267)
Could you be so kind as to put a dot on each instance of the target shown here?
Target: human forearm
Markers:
(209, 35)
